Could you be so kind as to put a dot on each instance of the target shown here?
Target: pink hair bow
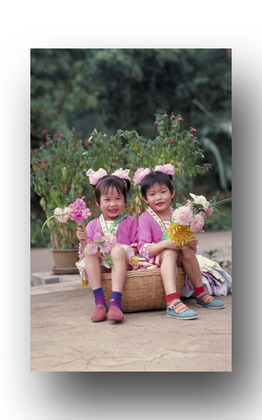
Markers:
(167, 169)
(94, 177)
(140, 174)
(122, 173)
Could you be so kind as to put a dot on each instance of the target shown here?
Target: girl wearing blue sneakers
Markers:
(157, 191)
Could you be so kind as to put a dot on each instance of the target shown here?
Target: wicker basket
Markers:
(143, 289)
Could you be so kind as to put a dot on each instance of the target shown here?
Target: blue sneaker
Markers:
(215, 304)
(187, 314)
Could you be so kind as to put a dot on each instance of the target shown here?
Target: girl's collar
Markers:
(158, 219)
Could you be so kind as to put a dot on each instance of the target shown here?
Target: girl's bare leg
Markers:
(168, 261)
(191, 266)
(175, 307)
(119, 269)
(94, 269)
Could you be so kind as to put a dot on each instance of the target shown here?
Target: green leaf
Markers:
(54, 197)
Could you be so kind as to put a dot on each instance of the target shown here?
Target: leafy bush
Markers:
(59, 165)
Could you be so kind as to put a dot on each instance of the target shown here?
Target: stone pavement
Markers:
(63, 339)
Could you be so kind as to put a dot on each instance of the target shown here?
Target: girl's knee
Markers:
(168, 254)
(118, 253)
(188, 253)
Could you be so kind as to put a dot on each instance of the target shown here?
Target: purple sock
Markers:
(99, 297)
(116, 300)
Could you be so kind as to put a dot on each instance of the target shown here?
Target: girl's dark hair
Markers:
(156, 177)
(111, 181)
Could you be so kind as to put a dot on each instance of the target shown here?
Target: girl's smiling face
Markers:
(112, 203)
(159, 198)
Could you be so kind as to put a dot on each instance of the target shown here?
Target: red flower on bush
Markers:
(44, 132)
(173, 118)
(180, 120)
(55, 158)
(56, 136)
(172, 141)
(88, 142)
(192, 131)
(47, 143)
(156, 123)
(165, 116)
(75, 143)
(42, 167)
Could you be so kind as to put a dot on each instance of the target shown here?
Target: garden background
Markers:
(93, 95)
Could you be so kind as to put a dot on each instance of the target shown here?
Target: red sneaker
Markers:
(115, 314)
(98, 314)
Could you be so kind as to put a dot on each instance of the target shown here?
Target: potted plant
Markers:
(58, 178)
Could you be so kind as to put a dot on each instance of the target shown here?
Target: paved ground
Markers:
(64, 339)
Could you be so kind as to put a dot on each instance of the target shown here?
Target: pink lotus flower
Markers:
(110, 240)
(79, 212)
(197, 223)
(140, 174)
(104, 245)
(183, 215)
(62, 218)
(92, 249)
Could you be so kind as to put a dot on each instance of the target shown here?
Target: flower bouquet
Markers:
(190, 218)
(77, 211)
(103, 245)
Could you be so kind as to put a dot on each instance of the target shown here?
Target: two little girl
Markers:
(145, 238)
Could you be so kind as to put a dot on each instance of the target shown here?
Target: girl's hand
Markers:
(192, 243)
(171, 244)
(81, 233)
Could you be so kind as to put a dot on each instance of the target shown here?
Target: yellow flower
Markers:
(180, 234)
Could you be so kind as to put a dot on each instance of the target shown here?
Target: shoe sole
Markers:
(210, 307)
(98, 320)
(115, 319)
(183, 319)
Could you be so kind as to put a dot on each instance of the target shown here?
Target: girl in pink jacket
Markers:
(157, 191)
(110, 196)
